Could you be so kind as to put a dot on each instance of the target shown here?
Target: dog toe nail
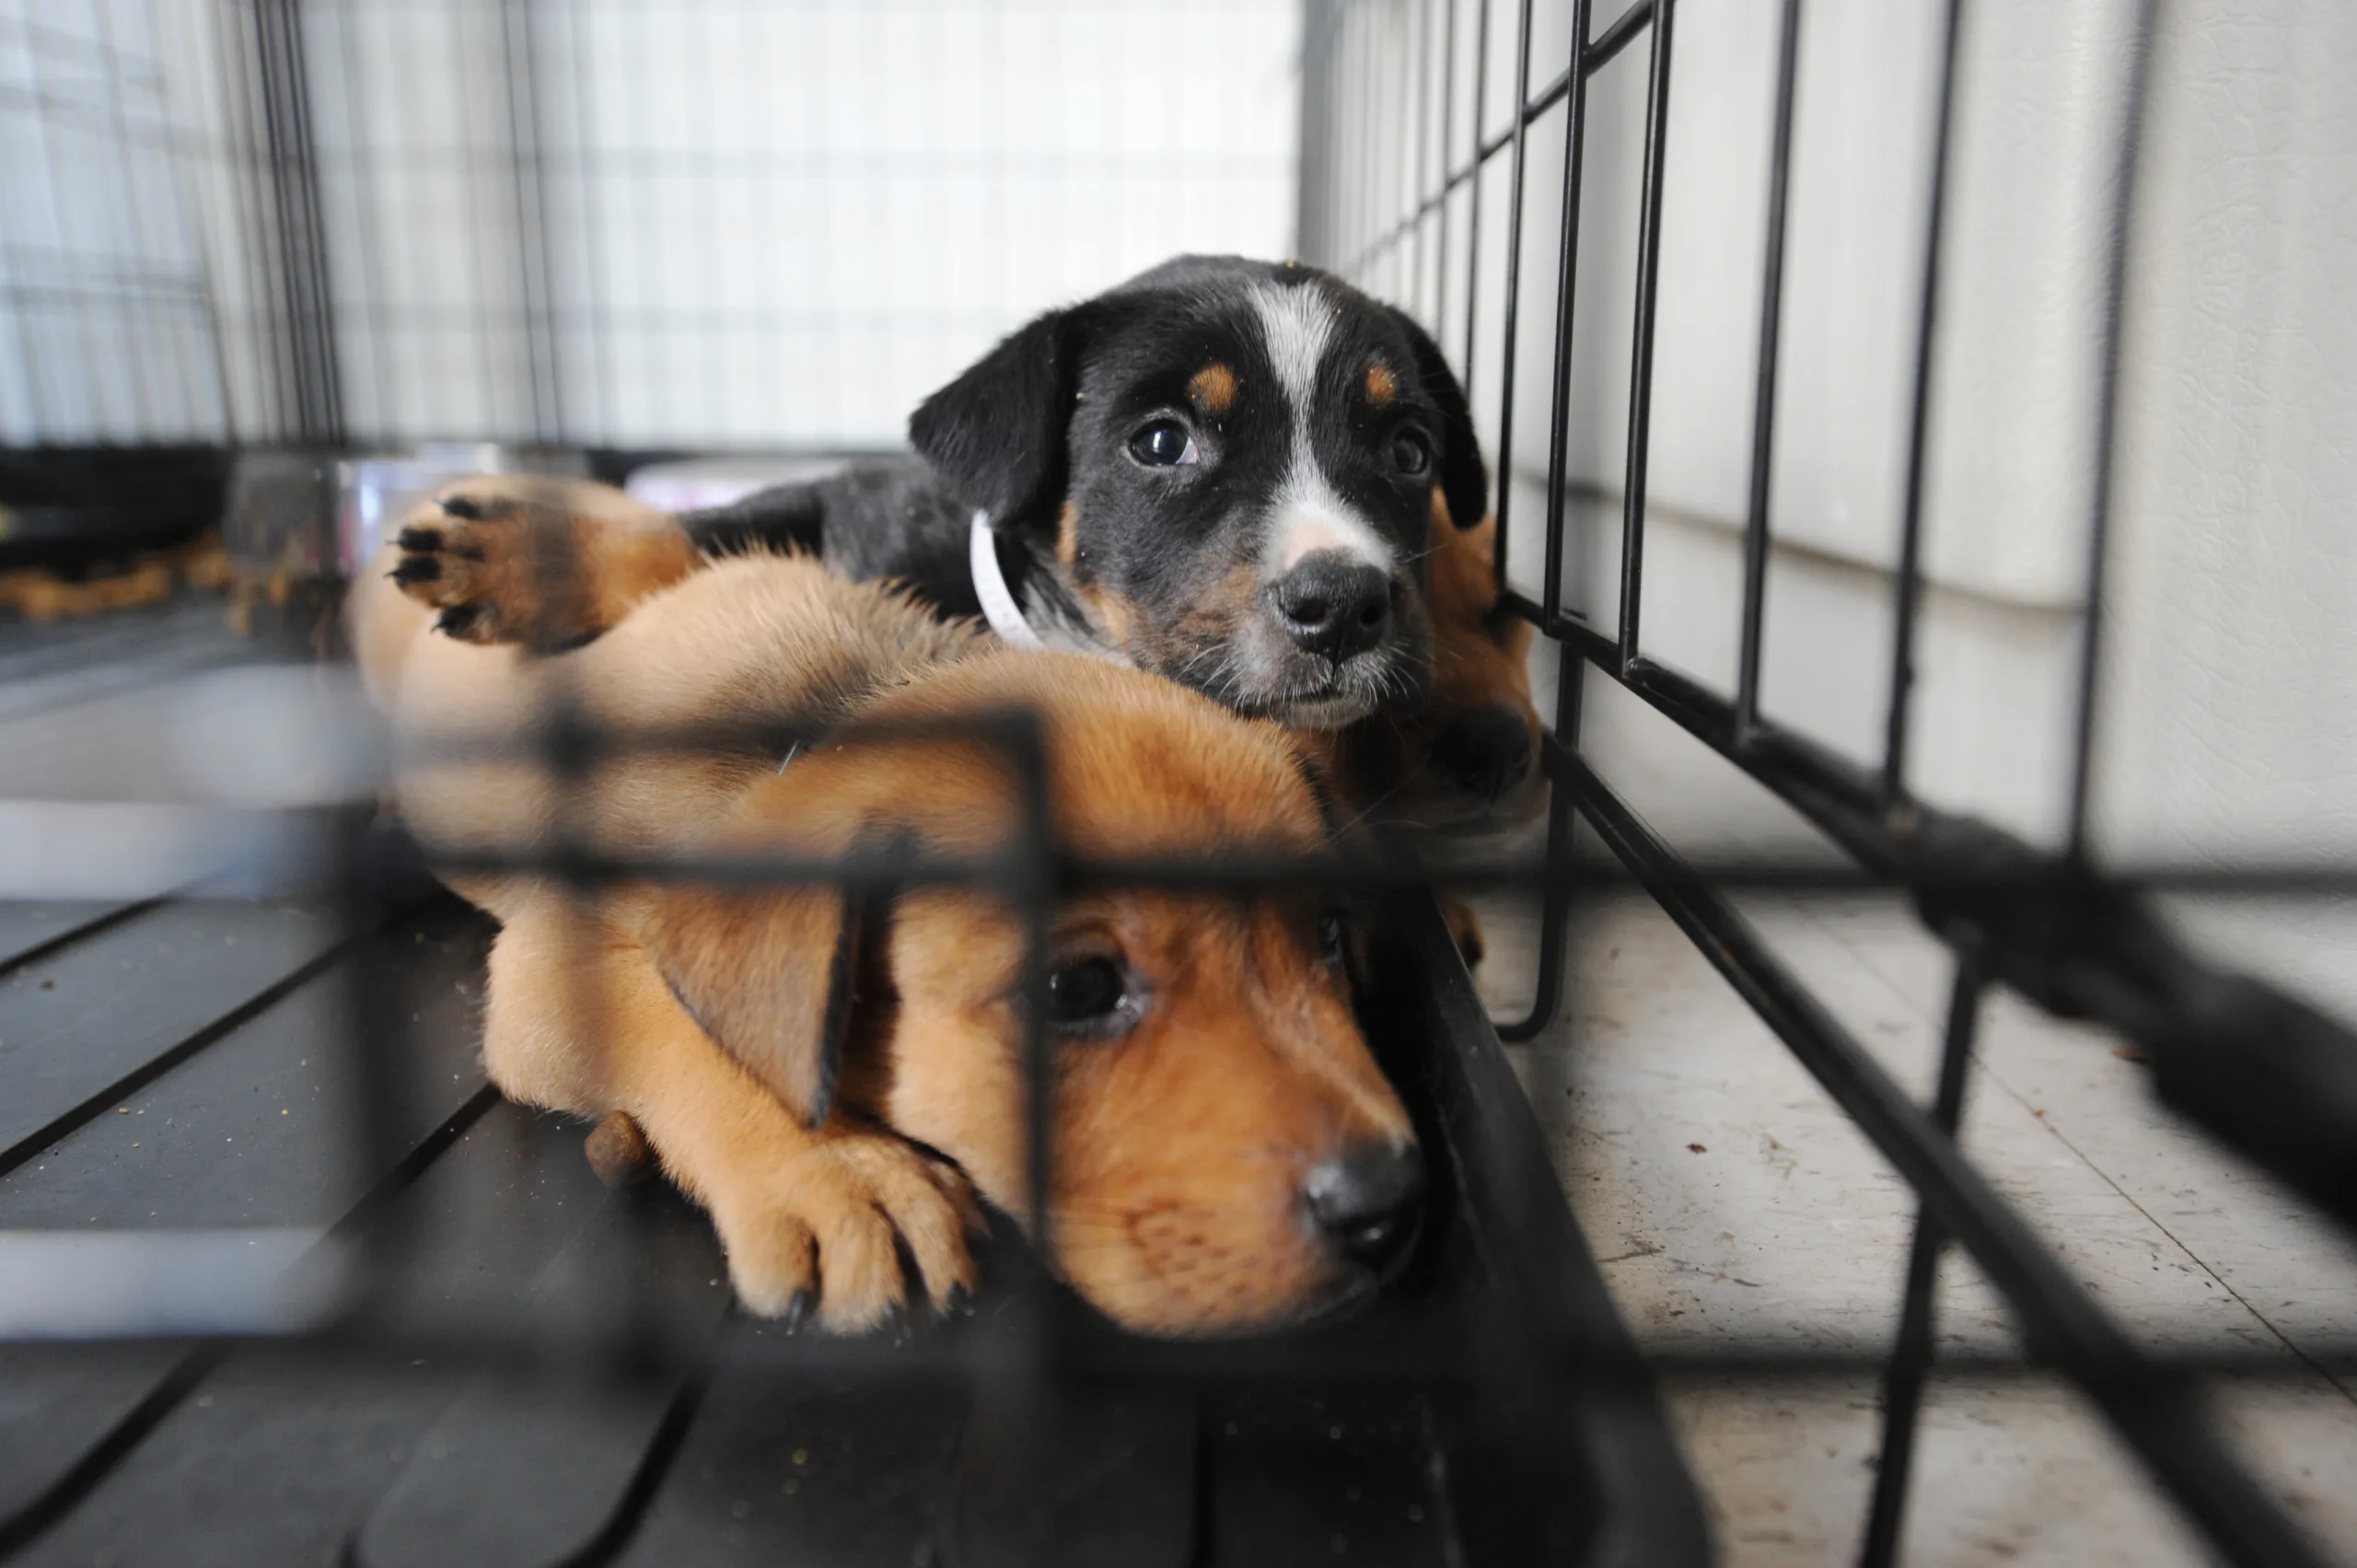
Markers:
(959, 1303)
(796, 1311)
(465, 507)
(418, 569)
(459, 619)
(419, 538)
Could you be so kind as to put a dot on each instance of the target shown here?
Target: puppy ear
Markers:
(770, 975)
(996, 432)
(1464, 481)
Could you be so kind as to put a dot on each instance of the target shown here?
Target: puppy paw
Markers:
(823, 1241)
(501, 567)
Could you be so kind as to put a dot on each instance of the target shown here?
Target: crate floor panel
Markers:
(836, 1476)
(255, 1130)
(27, 928)
(34, 700)
(521, 1471)
(129, 640)
(518, 1475)
(58, 1405)
(401, 1446)
(258, 1128)
(1336, 1475)
(84, 1019)
(279, 1454)
(270, 1460)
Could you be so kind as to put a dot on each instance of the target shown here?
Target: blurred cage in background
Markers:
(604, 224)
(1840, 368)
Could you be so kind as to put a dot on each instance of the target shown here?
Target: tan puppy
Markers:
(1226, 1154)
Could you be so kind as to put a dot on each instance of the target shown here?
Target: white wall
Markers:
(2229, 699)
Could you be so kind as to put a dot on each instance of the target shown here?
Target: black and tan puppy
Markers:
(835, 1080)
(1249, 477)
(1223, 469)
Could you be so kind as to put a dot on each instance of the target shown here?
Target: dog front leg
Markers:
(812, 1218)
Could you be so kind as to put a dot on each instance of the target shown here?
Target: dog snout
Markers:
(1332, 604)
(1368, 1202)
(1485, 752)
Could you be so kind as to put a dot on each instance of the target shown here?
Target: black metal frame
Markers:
(2263, 1072)
(2274, 1078)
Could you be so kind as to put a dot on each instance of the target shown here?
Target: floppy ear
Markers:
(770, 975)
(1464, 481)
(996, 434)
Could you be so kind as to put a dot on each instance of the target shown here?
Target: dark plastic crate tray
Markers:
(1490, 1412)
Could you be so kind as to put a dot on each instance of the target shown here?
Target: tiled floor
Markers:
(1733, 1202)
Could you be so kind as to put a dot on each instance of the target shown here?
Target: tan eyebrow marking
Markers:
(1213, 388)
(1381, 384)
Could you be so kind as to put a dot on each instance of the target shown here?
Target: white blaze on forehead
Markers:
(1296, 322)
(1306, 514)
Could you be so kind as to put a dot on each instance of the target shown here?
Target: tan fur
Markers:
(1180, 1147)
(1480, 659)
(1213, 388)
(1381, 384)
(1116, 615)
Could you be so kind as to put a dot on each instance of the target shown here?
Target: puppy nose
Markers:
(1486, 751)
(1332, 604)
(1367, 1202)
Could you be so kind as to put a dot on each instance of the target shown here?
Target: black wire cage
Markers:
(438, 1336)
(1437, 206)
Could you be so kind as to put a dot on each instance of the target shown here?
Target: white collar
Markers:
(999, 608)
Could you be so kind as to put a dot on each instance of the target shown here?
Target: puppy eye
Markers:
(1164, 444)
(1411, 454)
(1089, 996)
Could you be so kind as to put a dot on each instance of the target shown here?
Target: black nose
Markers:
(1486, 751)
(1333, 605)
(1368, 1200)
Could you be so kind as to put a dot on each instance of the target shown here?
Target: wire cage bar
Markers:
(2072, 935)
(1416, 180)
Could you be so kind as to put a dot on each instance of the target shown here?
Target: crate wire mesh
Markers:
(1503, 1409)
(603, 225)
(1548, 292)
(1435, 208)
(1500, 1354)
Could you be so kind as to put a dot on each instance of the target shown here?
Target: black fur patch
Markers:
(1173, 563)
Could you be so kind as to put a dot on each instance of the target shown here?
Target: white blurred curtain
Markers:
(759, 222)
(627, 222)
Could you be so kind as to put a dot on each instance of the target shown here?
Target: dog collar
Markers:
(999, 608)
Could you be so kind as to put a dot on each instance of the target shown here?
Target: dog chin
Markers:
(1362, 687)
(1330, 712)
